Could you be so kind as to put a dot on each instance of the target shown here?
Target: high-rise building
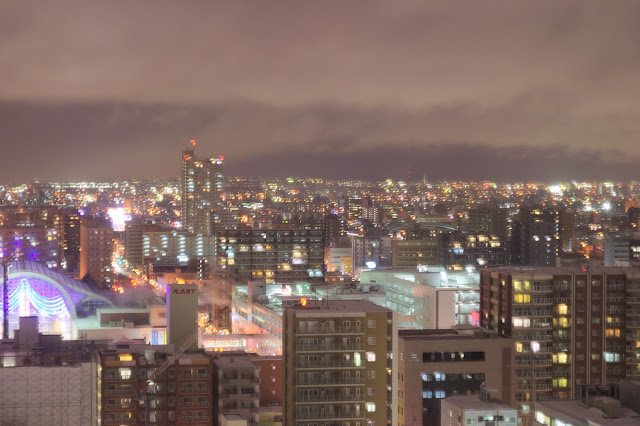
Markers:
(488, 220)
(284, 255)
(570, 326)
(371, 252)
(473, 250)
(535, 238)
(71, 238)
(339, 363)
(407, 253)
(96, 249)
(201, 192)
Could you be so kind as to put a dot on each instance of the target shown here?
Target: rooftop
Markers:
(473, 402)
(452, 334)
(338, 306)
(582, 412)
(565, 270)
(234, 362)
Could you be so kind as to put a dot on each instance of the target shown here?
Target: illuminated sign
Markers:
(184, 291)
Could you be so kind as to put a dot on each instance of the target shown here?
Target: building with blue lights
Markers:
(35, 290)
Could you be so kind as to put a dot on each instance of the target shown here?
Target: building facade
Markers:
(437, 364)
(285, 255)
(339, 364)
(201, 192)
(570, 326)
(96, 249)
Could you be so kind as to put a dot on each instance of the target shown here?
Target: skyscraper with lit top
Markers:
(201, 190)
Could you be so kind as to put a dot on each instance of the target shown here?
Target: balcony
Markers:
(331, 382)
(541, 301)
(120, 421)
(331, 348)
(534, 337)
(330, 330)
(128, 391)
(194, 376)
(329, 416)
(125, 406)
(541, 387)
(194, 404)
(193, 390)
(330, 364)
(320, 399)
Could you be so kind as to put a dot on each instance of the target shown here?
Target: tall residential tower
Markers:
(201, 190)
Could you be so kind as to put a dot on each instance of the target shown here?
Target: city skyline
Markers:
(546, 88)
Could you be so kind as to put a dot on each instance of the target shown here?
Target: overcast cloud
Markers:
(114, 89)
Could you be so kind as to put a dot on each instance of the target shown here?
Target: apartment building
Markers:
(236, 387)
(570, 326)
(339, 364)
(181, 395)
(286, 255)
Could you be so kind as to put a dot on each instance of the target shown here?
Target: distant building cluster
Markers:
(211, 299)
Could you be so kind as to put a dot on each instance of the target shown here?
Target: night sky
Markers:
(472, 89)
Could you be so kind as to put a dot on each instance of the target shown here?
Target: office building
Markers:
(286, 255)
(437, 364)
(96, 249)
(371, 252)
(408, 253)
(464, 251)
(570, 326)
(201, 192)
(488, 220)
(339, 363)
(616, 250)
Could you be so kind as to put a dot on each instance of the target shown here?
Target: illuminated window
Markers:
(125, 373)
(518, 347)
(561, 358)
(125, 357)
(563, 309)
(560, 383)
(371, 356)
(613, 332)
(370, 406)
(522, 298)
(611, 357)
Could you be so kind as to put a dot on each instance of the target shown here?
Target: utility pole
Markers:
(5, 302)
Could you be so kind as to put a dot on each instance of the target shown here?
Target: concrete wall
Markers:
(48, 395)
